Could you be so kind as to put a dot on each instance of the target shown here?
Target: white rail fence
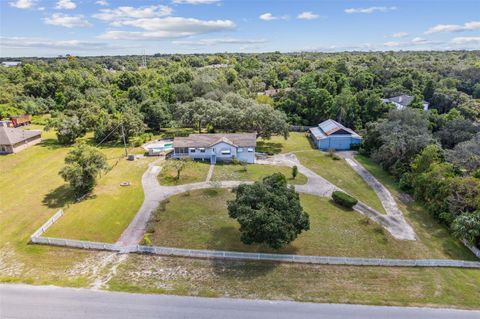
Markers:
(37, 238)
(47, 224)
(474, 249)
(321, 260)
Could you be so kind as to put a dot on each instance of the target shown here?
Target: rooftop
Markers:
(331, 127)
(12, 136)
(207, 140)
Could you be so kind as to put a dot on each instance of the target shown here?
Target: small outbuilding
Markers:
(332, 135)
(13, 140)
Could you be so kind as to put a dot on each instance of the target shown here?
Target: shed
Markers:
(13, 140)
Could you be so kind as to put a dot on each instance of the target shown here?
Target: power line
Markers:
(123, 137)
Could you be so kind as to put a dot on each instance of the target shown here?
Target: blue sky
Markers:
(118, 27)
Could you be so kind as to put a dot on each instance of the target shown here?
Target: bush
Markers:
(294, 171)
(343, 199)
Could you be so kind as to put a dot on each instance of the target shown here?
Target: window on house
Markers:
(250, 150)
(225, 152)
(240, 150)
(192, 150)
(202, 150)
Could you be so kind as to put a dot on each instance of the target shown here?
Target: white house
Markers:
(402, 101)
(216, 147)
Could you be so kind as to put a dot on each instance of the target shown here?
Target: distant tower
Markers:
(144, 60)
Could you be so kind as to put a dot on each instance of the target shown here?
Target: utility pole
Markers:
(144, 60)
(124, 141)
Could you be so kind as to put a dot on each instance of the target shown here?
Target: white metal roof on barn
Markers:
(330, 127)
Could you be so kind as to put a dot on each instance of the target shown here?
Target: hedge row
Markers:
(344, 199)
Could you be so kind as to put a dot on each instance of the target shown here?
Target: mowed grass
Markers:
(296, 141)
(105, 214)
(335, 171)
(30, 193)
(194, 172)
(399, 286)
(199, 219)
(340, 174)
(253, 172)
(433, 235)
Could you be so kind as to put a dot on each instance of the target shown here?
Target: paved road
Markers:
(38, 302)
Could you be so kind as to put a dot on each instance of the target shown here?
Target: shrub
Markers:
(294, 171)
(335, 157)
(343, 199)
(244, 166)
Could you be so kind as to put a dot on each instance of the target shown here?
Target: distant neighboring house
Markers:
(216, 147)
(402, 101)
(13, 140)
(273, 92)
(9, 64)
(332, 135)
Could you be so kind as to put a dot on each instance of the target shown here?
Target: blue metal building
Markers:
(333, 135)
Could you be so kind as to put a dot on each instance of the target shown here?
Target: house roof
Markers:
(330, 127)
(12, 136)
(403, 100)
(208, 140)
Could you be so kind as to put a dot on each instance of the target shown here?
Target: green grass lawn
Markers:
(31, 191)
(105, 214)
(199, 219)
(195, 171)
(336, 171)
(254, 172)
(340, 174)
(297, 141)
(434, 235)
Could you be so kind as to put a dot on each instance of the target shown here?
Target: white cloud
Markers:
(23, 4)
(419, 40)
(397, 35)
(219, 41)
(170, 27)
(269, 17)
(124, 13)
(392, 44)
(102, 2)
(465, 40)
(36, 43)
(468, 26)
(65, 4)
(307, 15)
(370, 10)
(63, 20)
(195, 1)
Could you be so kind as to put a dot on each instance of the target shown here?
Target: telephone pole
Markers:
(124, 141)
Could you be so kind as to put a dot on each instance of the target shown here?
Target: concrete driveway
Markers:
(393, 222)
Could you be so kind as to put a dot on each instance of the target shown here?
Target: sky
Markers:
(119, 27)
